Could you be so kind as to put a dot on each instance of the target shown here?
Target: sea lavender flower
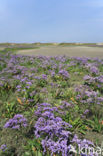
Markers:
(48, 114)
(16, 122)
(66, 104)
(29, 83)
(94, 70)
(99, 79)
(33, 93)
(89, 79)
(50, 127)
(24, 79)
(44, 76)
(86, 111)
(64, 73)
(37, 77)
(100, 99)
(50, 123)
(52, 73)
(50, 109)
(86, 144)
(44, 104)
(91, 93)
(3, 147)
(56, 147)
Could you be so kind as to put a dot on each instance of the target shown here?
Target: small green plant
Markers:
(33, 148)
(95, 124)
(11, 109)
(98, 125)
(41, 83)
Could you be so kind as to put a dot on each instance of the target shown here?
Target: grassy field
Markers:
(49, 103)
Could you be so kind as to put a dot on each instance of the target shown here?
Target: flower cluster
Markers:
(64, 73)
(55, 133)
(96, 82)
(3, 147)
(16, 122)
(86, 95)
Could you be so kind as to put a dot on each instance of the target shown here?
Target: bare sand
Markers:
(2, 48)
(78, 51)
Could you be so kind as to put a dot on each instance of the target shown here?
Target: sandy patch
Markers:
(2, 48)
(79, 51)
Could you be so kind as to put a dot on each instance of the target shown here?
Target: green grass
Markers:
(15, 49)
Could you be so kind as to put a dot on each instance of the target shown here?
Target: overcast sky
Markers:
(51, 20)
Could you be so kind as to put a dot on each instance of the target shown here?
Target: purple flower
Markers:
(44, 76)
(29, 83)
(66, 104)
(3, 147)
(52, 73)
(54, 131)
(100, 99)
(18, 86)
(32, 93)
(94, 70)
(48, 114)
(64, 73)
(89, 78)
(86, 111)
(16, 122)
